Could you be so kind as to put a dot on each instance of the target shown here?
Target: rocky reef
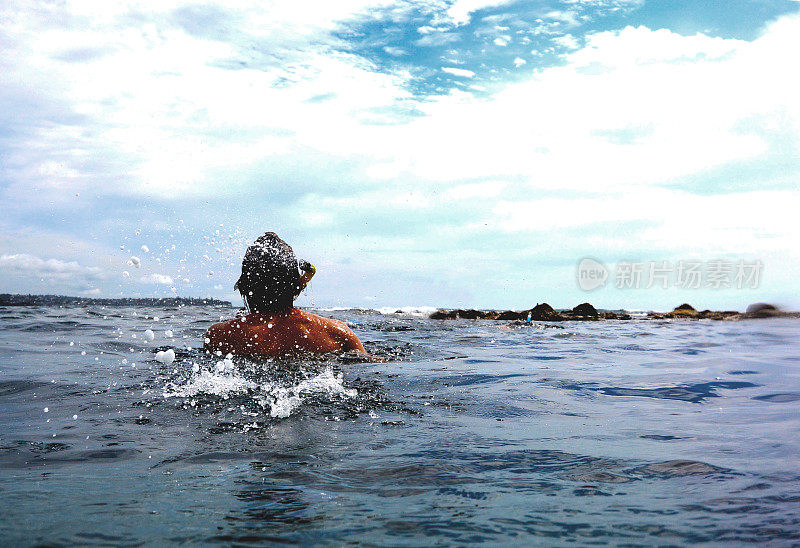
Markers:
(543, 312)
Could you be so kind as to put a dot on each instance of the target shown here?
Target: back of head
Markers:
(270, 277)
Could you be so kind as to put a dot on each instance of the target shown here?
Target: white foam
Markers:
(423, 311)
(280, 400)
(224, 366)
(420, 311)
(166, 356)
(206, 382)
(149, 335)
(283, 401)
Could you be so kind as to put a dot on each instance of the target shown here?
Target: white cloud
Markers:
(31, 265)
(460, 10)
(567, 41)
(162, 103)
(483, 190)
(633, 108)
(159, 279)
(169, 110)
(641, 45)
(631, 113)
(394, 51)
(177, 135)
(519, 61)
(464, 73)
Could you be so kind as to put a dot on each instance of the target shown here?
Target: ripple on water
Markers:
(693, 393)
(780, 397)
(636, 435)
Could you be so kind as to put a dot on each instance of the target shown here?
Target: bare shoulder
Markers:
(221, 327)
(342, 331)
(339, 325)
(216, 328)
(214, 335)
(322, 321)
(222, 330)
(338, 330)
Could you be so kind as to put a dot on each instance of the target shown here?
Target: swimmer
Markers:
(270, 282)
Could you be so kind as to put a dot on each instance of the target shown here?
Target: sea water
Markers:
(636, 433)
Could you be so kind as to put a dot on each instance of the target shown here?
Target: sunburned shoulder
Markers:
(291, 329)
(321, 320)
(228, 326)
(336, 330)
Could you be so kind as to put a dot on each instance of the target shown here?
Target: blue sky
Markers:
(445, 153)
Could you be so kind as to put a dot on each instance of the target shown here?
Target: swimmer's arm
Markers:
(214, 337)
(351, 340)
(347, 339)
(353, 346)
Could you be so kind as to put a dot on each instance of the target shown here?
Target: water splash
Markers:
(281, 395)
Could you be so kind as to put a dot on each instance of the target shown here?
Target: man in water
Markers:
(269, 284)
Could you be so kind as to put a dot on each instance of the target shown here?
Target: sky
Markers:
(450, 153)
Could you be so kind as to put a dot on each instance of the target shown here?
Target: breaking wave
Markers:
(281, 396)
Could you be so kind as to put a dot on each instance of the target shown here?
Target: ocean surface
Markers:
(631, 433)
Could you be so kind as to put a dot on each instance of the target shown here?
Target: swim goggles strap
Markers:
(308, 272)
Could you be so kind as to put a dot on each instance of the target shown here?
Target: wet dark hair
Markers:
(270, 278)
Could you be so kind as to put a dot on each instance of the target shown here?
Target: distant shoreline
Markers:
(9, 299)
(587, 312)
(541, 312)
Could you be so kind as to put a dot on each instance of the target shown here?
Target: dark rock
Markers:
(682, 314)
(761, 310)
(512, 315)
(687, 311)
(683, 311)
(466, 314)
(614, 316)
(543, 308)
(586, 310)
(719, 314)
(544, 313)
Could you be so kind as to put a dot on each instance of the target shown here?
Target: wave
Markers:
(225, 380)
(418, 311)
